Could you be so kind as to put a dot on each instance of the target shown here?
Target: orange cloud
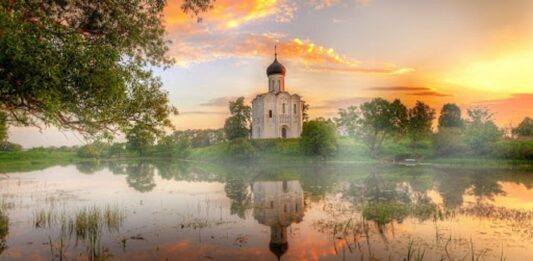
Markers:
(311, 56)
(226, 14)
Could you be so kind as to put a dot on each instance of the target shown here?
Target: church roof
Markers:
(276, 67)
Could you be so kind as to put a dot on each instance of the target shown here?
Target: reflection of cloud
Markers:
(219, 102)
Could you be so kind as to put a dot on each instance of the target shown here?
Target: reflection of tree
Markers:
(4, 229)
(89, 167)
(237, 191)
(485, 186)
(141, 176)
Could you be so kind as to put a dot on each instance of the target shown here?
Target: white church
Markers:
(277, 113)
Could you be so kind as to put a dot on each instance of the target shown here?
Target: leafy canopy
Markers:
(140, 138)
(84, 65)
(319, 138)
(419, 121)
(524, 129)
(238, 124)
(450, 116)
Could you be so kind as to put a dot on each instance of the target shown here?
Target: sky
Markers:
(341, 53)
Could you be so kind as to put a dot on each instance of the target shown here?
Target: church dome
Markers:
(276, 68)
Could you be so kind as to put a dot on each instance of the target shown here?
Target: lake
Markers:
(329, 211)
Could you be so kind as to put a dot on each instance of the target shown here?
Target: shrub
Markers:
(240, 149)
(448, 141)
(518, 150)
(319, 138)
(93, 150)
(8, 146)
(171, 147)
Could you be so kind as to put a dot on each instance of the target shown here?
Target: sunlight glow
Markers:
(507, 73)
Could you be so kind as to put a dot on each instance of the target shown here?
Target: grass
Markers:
(34, 160)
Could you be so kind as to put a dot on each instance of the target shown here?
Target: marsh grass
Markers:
(87, 225)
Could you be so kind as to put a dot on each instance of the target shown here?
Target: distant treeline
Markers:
(372, 124)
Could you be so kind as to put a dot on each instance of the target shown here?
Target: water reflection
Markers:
(360, 211)
(4, 229)
(278, 204)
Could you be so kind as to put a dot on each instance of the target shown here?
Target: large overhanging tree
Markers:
(84, 65)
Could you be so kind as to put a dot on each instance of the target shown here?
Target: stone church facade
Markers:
(277, 113)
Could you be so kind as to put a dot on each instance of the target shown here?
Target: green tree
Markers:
(448, 141)
(169, 146)
(348, 121)
(481, 132)
(140, 138)
(419, 121)
(238, 124)
(83, 65)
(524, 129)
(305, 111)
(319, 138)
(93, 150)
(381, 119)
(3, 126)
(450, 116)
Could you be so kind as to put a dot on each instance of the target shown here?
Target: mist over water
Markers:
(160, 210)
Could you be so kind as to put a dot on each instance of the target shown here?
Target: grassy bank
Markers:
(267, 151)
(35, 159)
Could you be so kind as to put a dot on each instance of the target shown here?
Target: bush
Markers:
(517, 150)
(319, 138)
(240, 149)
(171, 147)
(93, 150)
(448, 141)
(8, 146)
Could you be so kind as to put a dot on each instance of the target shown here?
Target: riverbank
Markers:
(266, 152)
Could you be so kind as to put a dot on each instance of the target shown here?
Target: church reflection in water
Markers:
(278, 204)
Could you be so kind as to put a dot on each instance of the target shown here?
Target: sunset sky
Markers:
(340, 53)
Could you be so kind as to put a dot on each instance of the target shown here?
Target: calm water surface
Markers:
(184, 211)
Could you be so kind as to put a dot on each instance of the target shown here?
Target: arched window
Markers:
(270, 113)
(294, 108)
(283, 108)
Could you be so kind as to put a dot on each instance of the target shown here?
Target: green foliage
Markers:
(481, 133)
(140, 138)
(450, 116)
(525, 128)
(3, 126)
(319, 138)
(448, 141)
(238, 124)
(169, 146)
(348, 121)
(381, 119)
(93, 150)
(515, 150)
(201, 138)
(8, 146)
(305, 112)
(419, 121)
(83, 65)
(240, 149)
(4, 229)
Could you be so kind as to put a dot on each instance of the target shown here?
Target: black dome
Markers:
(276, 68)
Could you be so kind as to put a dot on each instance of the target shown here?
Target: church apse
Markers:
(278, 204)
